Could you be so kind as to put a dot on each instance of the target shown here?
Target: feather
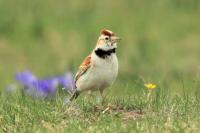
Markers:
(83, 67)
(107, 32)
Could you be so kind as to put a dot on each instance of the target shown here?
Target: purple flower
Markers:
(47, 87)
(25, 78)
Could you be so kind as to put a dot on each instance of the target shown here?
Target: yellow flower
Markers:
(150, 86)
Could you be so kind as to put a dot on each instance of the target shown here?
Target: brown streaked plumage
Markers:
(83, 67)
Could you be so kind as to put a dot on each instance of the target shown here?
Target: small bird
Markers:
(99, 69)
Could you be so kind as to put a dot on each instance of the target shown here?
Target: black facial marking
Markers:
(103, 53)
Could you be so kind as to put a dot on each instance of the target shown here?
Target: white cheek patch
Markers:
(114, 45)
(107, 46)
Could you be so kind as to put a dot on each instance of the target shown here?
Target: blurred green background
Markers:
(160, 38)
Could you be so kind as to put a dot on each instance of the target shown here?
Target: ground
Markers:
(138, 112)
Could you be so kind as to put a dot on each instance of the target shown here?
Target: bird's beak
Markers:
(115, 38)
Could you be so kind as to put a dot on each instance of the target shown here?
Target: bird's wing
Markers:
(83, 67)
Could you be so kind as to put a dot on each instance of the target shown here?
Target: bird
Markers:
(100, 68)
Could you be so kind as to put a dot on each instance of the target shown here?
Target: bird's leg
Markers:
(75, 95)
(102, 97)
(90, 94)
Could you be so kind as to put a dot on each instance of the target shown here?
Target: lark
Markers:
(99, 69)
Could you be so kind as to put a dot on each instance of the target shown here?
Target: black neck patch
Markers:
(103, 53)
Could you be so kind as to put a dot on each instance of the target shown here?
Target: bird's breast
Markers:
(105, 70)
(100, 75)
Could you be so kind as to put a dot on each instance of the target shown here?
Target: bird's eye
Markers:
(106, 38)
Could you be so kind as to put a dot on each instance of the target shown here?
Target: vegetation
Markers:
(160, 44)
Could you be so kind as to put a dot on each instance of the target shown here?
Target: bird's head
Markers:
(107, 40)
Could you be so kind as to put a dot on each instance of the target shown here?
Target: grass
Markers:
(160, 44)
(161, 112)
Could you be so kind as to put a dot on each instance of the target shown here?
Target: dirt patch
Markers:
(120, 111)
